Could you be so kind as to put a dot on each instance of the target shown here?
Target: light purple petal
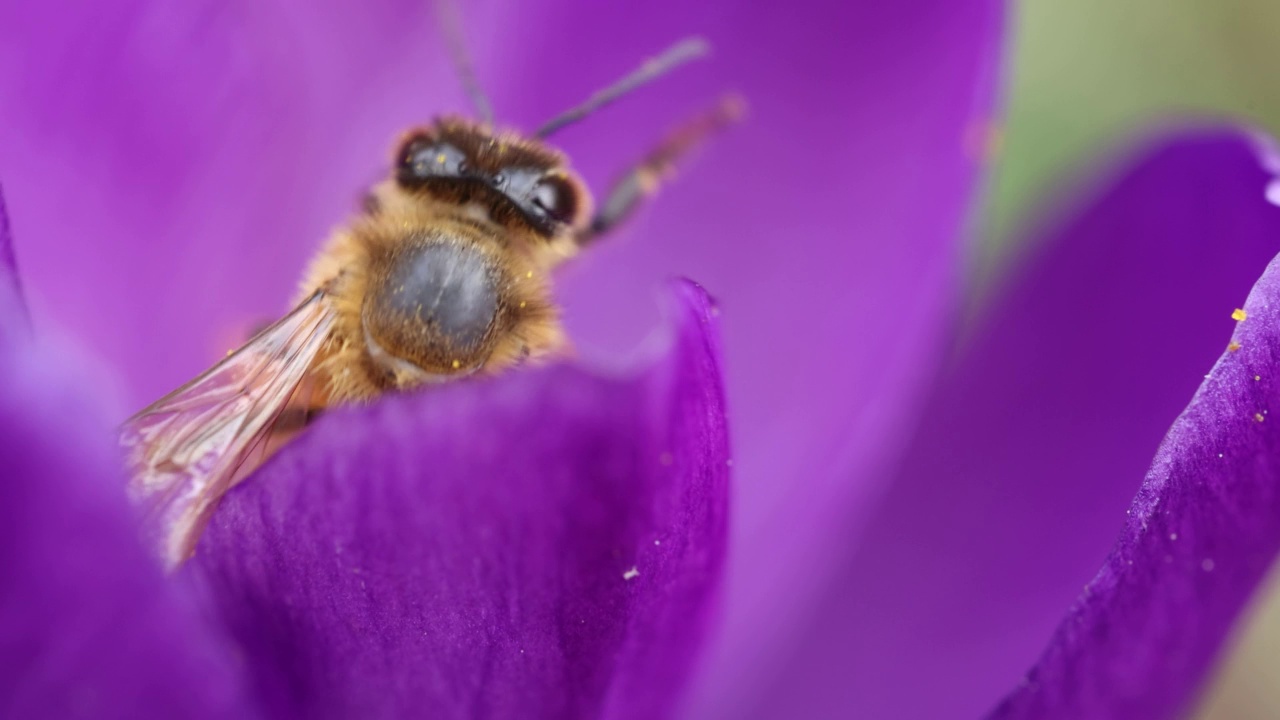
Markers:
(1030, 447)
(89, 628)
(174, 164)
(546, 545)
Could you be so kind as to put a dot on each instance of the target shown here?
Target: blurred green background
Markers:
(1087, 75)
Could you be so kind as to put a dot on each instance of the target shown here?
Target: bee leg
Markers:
(644, 179)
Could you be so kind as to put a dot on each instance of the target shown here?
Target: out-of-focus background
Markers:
(1086, 76)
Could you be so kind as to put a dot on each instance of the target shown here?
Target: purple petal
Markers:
(1030, 447)
(174, 164)
(13, 309)
(210, 145)
(542, 546)
(1201, 535)
(88, 625)
(827, 223)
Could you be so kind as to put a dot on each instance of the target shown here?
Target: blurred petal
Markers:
(174, 164)
(13, 310)
(1014, 486)
(541, 546)
(88, 626)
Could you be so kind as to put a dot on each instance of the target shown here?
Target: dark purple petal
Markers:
(1201, 535)
(1030, 448)
(545, 545)
(89, 627)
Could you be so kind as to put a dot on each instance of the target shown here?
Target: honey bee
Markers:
(445, 273)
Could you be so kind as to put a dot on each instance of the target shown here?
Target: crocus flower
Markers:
(910, 515)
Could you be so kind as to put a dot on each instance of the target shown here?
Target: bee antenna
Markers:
(682, 52)
(451, 24)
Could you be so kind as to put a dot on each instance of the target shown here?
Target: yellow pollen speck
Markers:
(1233, 346)
(522, 303)
(529, 274)
(1239, 315)
(457, 364)
(1258, 417)
(441, 158)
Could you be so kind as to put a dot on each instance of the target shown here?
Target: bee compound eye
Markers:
(555, 198)
(424, 157)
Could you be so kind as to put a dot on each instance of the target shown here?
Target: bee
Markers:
(445, 273)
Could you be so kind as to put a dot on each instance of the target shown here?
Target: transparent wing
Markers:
(184, 451)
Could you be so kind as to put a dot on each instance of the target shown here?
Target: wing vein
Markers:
(187, 449)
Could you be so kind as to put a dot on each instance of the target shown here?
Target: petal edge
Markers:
(1201, 534)
(547, 544)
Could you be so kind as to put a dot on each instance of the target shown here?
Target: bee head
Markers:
(520, 179)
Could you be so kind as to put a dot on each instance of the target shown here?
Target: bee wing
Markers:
(184, 451)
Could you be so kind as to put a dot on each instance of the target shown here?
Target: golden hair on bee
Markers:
(446, 273)
(423, 291)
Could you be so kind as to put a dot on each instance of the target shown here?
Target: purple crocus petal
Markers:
(174, 164)
(541, 546)
(1031, 445)
(208, 146)
(827, 223)
(89, 628)
(13, 309)
(1202, 533)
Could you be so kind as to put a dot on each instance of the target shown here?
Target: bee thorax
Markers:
(434, 304)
